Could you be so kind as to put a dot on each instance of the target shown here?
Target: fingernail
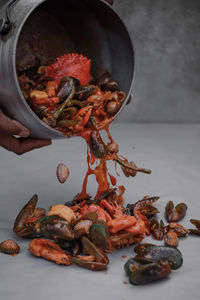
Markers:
(24, 133)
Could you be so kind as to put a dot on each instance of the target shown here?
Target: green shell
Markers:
(161, 253)
(99, 236)
(131, 265)
(150, 272)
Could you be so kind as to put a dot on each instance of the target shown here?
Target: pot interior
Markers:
(89, 27)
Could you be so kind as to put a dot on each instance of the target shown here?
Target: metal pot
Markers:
(50, 28)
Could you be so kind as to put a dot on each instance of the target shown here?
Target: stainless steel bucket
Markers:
(90, 27)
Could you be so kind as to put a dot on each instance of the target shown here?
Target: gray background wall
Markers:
(166, 35)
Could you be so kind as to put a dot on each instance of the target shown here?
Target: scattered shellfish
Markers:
(62, 173)
(9, 247)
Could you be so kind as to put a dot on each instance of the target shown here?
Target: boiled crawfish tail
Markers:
(49, 250)
(128, 166)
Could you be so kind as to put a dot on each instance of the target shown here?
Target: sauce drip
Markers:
(100, 170)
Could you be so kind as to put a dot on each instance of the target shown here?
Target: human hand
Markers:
(19, 145)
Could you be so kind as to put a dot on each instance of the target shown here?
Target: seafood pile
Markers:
(83, 232)
(66, 97)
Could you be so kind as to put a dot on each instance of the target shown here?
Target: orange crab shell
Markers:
(73, 64)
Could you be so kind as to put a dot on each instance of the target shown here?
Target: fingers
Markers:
(21, 145)
(12, 127)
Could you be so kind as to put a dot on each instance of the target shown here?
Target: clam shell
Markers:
(9, 247)
(62, 173)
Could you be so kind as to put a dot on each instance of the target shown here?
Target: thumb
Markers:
(12, 127)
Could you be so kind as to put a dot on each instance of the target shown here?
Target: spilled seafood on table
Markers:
(84, 230)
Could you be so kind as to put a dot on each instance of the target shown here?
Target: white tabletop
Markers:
(172, 151)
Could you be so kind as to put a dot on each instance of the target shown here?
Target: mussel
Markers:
(157, 229)
(146, 206)
(150, 272)
(97, 145)
(27, 217)
(131, 265)
(99, 235)
(84, 91)
(175, 214)
(54, 227)
(105, 82)
(196, 223)
(97, 259)
(66, 87)
(154, 253)
(66, 90)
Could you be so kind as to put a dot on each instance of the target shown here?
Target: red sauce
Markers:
(78, 66)
(112, 179)
(100, 171)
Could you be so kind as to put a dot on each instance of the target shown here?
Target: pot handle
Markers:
(6, 25)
